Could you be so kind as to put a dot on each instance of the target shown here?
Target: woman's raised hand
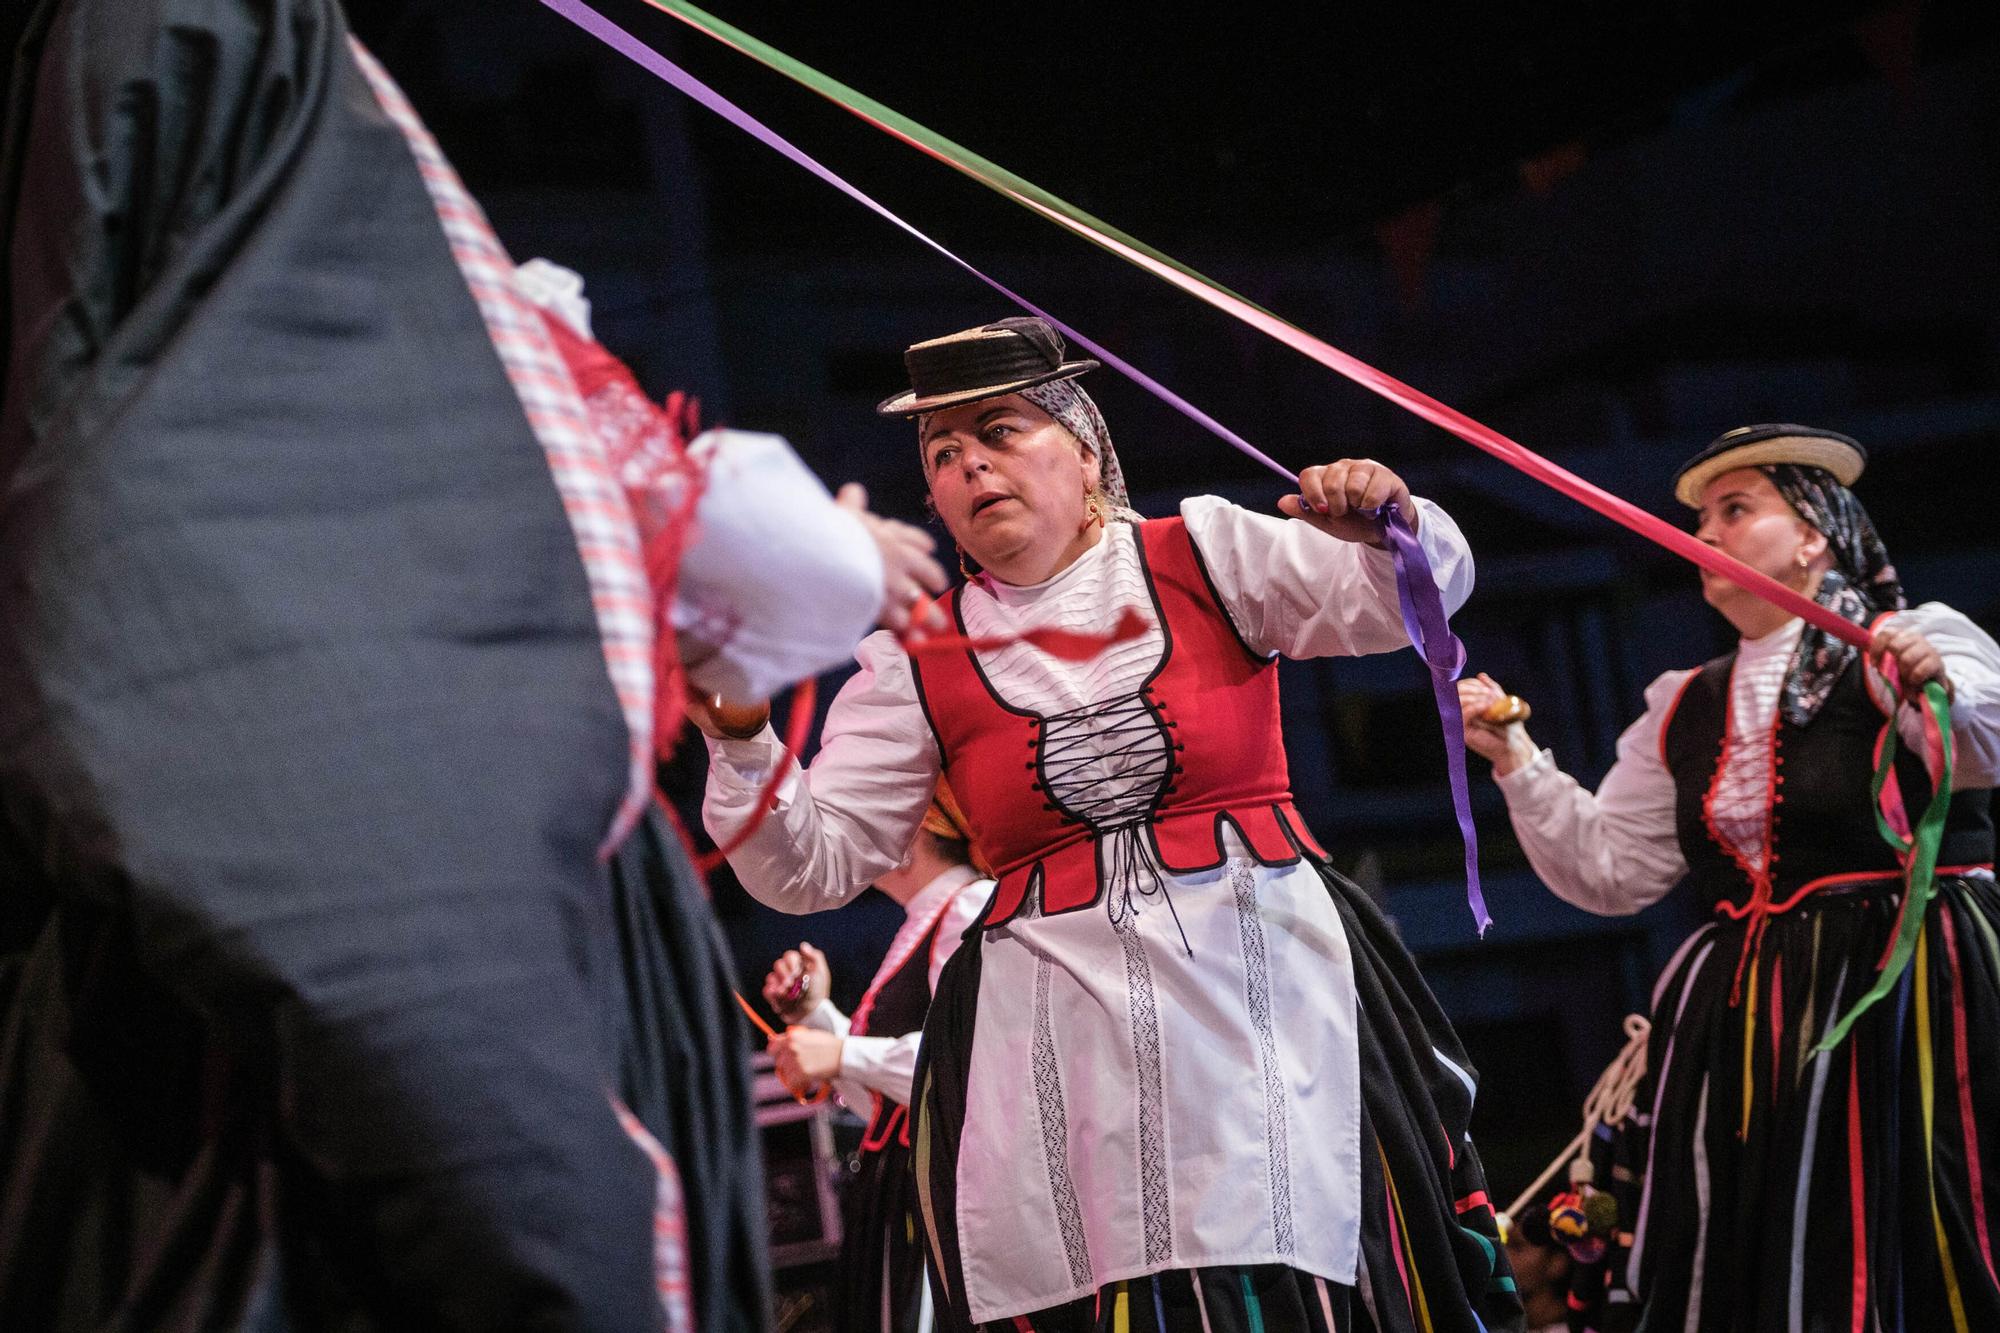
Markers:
(1330, 496)
(910, 573)
(797, 982)
(1917, 660)
(1494, 723)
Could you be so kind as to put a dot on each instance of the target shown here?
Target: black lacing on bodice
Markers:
(1116, 809)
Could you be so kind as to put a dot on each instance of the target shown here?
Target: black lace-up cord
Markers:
(1067, 747)
(1129, 864)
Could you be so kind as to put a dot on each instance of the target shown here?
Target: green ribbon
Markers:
(1921, 849)
(954, 155)
(1136, 252)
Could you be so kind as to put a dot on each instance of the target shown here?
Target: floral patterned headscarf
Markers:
(1861, 586)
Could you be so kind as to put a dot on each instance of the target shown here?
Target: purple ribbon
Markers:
(653, 62)
(1416, 587)
(1430, 633)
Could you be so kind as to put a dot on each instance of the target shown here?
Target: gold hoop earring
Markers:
(1093, 507)
(967, 565)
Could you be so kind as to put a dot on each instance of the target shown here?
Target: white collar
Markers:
(932, 897)
(1026, 594)
(1779, 641)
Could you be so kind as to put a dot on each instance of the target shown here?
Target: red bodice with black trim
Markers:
(1214, 706)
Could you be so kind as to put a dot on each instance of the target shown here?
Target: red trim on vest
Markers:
(1667, 718)
(1760, 880)
(894, 963)
(1209, 697)
(882, 1128)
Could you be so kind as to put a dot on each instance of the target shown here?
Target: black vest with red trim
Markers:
(895, 1007)
(1822, 809)
(1214, 705)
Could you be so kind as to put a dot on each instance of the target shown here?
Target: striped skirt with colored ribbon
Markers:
(1789, 1189)
(1265, 1299)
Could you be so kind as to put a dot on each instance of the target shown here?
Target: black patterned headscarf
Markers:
(1861, 585)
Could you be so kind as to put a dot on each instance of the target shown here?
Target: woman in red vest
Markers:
(1188, 1078)
(1792, 1182)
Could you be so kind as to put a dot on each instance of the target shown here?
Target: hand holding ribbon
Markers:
(805, 1094)
(1344, 499)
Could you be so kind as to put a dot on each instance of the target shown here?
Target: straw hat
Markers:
(986, 362)
(1756, 446)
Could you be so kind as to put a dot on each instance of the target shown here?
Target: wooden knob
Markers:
(740, 721)
(1512, 708)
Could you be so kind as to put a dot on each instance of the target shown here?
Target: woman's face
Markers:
(1010, 485)
(1744, 515)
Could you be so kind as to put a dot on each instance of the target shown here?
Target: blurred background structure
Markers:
(1611, 231)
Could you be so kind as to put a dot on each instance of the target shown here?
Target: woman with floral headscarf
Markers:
(1799, 1175)
(1182, 1075)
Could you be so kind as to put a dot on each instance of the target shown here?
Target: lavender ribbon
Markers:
(1430, 633)
(654, 63)
(1416, 587)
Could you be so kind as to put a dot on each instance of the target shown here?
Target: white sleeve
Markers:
(779, 582)
(852, 1091)
(965, 908)
(1972, 660)
(1614, 852)
(1292, 589)
(887, 1065)
(840, 825)
(827, 1017)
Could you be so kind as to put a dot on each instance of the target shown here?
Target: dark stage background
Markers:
(1612, 231)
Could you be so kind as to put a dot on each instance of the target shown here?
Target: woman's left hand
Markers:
(911, 576)
(805, 1056)
(1330, 498)
(1917, 661)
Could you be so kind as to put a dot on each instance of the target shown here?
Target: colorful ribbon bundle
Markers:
(1918, 848)
(1423, 614)
(1100, 233)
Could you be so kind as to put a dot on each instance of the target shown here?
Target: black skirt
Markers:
(680, 1043)
(1846, 1190)
(149, 1183)
(881, 1256)
(1430, 1255)
(306, 739)
(1264, 1299)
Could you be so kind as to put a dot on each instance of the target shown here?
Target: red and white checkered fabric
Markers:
(646, 444)
(608, 539)
(670, 1267)
(599, 511)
